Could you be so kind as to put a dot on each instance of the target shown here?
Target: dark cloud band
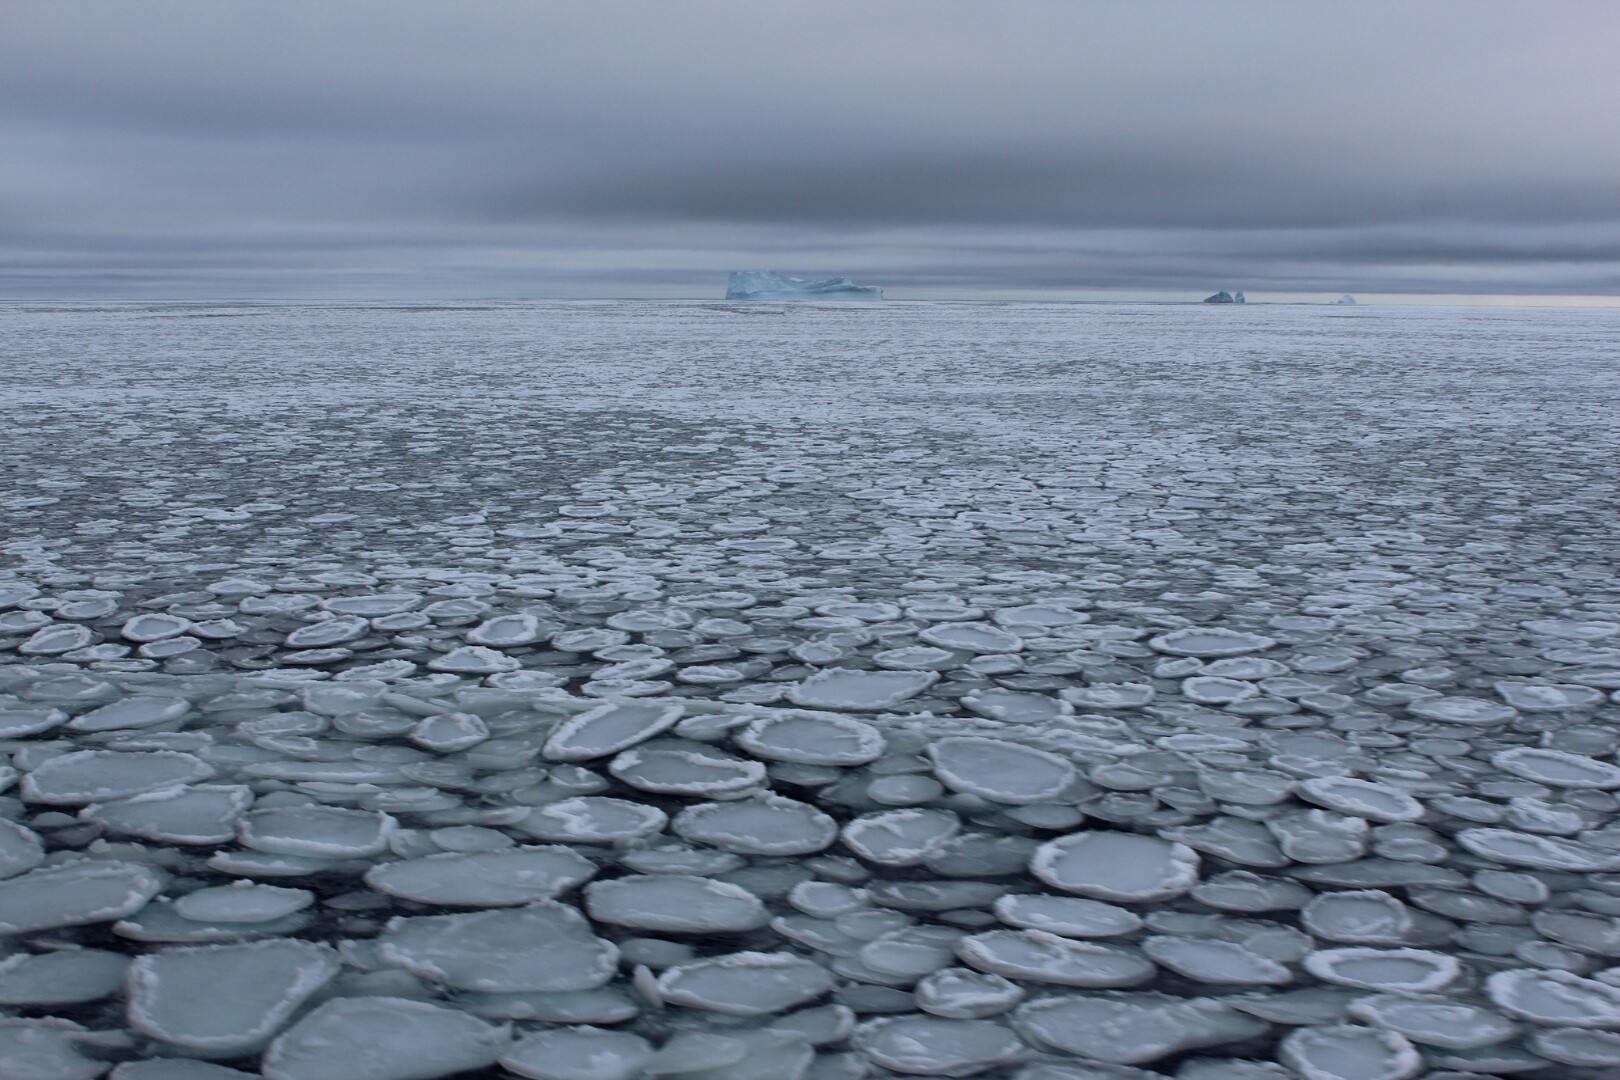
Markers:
(1381, 146)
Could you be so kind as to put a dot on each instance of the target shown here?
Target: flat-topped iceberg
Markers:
(769, 285)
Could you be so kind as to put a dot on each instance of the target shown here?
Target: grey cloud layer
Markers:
(517, 147)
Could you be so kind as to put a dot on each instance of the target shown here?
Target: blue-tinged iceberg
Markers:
(1224, 297)
(1346, 299)
(769, 285)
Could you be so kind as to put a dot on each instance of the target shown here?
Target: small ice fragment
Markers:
(1132, 1029)
(1210, 643)
(593, 819)
(57, 639)
(935, 1046)
(1541, 697)
(1214, 690)
(675, 903)
(1121, 695)
(859, 691)
(1467, 711)
(903, 837)
(510, 631)
(1434, 1021)
(1036, 956)
(1538, 852)
(68, 977)
(448, 733)
(505, 878)
(974, 637)
(329, 632)
(244, 902)
(545, 946)
(811, 738)
(132, 712)
(21, 849)
(176, 995)
(1555, 998)
(579, 1053)
(1066, 916)
(204, 814)
(1366, 916)
(1116, 866)
(155, 627)
(1213, 961)
(75, 894)
(745, 983)
(758, 825)
(1317, 836)
(1016, 707)
(383, 1038)
(474, 660)
(47, 1049)
(17, 723)
(1415, 971)
(1249, 893)
(89, 776)
(374, 606)
(683, 767)
(165, 1068)
(1004, 772)
(1361, 798)
(320, 831)
(1558, 768)
(964, 994)
(1344, 1052)
(1577, 1046)
(609, 729)
(694, 1052)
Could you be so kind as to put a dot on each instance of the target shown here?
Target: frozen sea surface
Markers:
(594, 690)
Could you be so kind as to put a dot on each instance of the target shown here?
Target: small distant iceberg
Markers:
(769, 285)
(1345, 299)
(1224, 297)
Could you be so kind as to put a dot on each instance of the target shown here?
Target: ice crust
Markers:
(959, 700)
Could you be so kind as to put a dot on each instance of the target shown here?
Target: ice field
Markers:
(599, 691)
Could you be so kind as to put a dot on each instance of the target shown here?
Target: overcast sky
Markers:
(938, 147)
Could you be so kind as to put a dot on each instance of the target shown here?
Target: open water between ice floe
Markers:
(585, 691)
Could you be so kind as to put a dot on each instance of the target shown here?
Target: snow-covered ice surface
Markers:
(793, 691)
